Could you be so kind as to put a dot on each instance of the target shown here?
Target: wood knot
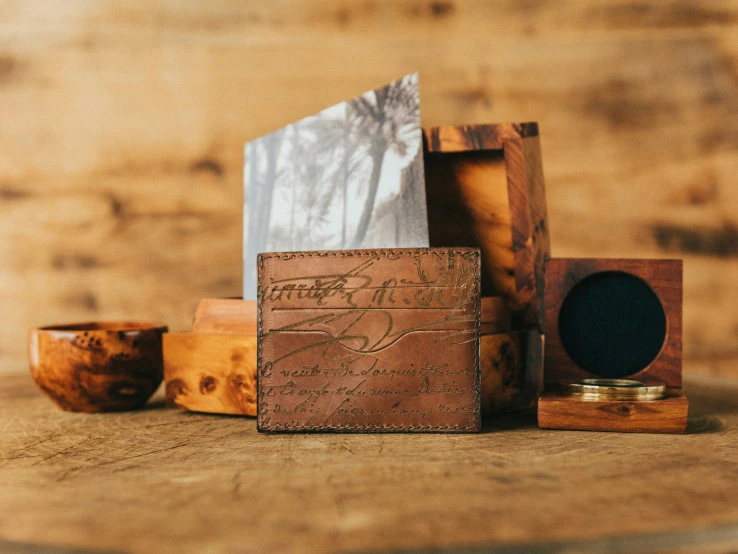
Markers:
(208, 384)
(618, 409)
(175, 388)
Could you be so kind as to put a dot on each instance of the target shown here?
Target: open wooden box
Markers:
(484, 188)
(626, 324)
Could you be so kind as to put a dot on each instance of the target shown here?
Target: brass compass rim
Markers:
(595, 390)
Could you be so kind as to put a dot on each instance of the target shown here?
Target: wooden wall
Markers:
(122, 125)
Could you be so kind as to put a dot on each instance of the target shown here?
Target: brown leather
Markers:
(369, 340)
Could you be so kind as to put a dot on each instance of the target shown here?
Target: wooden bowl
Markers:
(97, 366)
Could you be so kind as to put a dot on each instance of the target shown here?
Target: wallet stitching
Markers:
(260, 307)
(351, 253)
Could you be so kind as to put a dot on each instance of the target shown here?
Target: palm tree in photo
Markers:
(349, 163)
(259, 193)
(327, 162)
(252, 200)
(383, 121)
(272, 145)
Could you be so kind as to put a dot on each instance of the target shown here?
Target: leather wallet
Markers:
(369, 340)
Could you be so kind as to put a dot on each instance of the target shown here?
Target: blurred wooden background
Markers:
(122, 126)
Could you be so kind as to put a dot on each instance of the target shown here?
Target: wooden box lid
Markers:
(484, 187)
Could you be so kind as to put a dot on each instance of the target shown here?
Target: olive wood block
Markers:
(667, 415)
(510, 361)
(511, 365)
(225, 315)
(217, 373)
(211, 373)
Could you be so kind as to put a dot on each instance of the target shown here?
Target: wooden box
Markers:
(613, 319)
(485, 188)
(213, 368)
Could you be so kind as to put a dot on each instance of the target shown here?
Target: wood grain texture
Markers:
(123, 126)
(211, 373)
(494, 315)
(112, 482)
(96, 366)
(664, 277)
(485, 188)
(511, 361)
(233, 316)
(465, 138)
(468, 204)
(512, 370)
(667, 415)
(201, 375)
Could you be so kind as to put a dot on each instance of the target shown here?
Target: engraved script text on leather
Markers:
(367, 340)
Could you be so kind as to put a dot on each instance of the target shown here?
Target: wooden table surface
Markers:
(161, 480)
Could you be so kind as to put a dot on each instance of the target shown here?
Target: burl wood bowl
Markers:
(97, 366)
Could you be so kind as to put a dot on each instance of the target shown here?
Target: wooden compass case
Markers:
(558, 411)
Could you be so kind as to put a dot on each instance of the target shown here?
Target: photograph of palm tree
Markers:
(350, 176)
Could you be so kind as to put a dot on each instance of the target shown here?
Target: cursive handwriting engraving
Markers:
(369, 340)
